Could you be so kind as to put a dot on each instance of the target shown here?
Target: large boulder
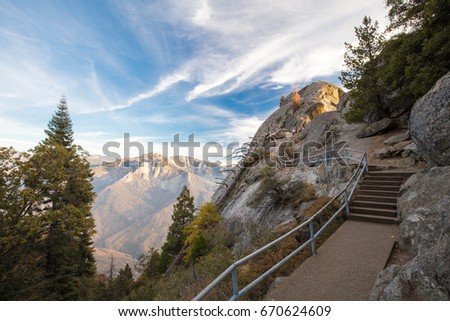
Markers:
(345, 104)
(424, 207)
(426, 277)
(397, 139)
(376, 127)
(429, 123)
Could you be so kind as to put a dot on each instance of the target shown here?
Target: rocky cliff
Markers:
(424, 208)
(267, 191)
(430, 123)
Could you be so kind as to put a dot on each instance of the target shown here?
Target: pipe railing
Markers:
(232, 269)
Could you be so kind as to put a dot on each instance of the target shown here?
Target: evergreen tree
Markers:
(360, 75)
(183, 213)
(22, 226)
(46, 224)
(413, 60)
(404, 14)
(121, 285)
(60, 126)
(62, 168)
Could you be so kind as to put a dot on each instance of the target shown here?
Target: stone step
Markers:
(376, 205)
(373, 211)
(371, 192)
(373, 218)
(391, 188)
(384, 182)
(389, 173)
(369, 177)
(376, 198)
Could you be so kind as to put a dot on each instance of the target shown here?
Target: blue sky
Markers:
(157, 68)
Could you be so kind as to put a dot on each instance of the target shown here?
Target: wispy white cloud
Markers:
(214, 111)
(242, 44)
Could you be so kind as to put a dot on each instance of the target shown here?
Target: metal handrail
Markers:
(232, 269)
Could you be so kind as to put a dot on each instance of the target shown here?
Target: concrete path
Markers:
(345, 267)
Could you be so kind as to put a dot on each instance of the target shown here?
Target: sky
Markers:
(215, 69)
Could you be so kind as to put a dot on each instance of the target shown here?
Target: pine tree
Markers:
(416, 56)
(60, 126)
(360, 75)
(67, 249)
(121, 285)
(183, 213)
(46, 224)
(22, 226)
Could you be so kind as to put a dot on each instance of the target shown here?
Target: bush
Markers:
(281, 192)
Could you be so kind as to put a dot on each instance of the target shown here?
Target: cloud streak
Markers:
(279, 44)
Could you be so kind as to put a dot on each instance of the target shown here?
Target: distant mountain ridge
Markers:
(133, 207)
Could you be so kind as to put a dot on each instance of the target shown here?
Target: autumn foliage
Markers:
(295, 99)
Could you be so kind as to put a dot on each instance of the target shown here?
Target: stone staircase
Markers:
(375, 199)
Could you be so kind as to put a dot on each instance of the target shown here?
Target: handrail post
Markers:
(366, 163)
(234, 281)
(347, 208)
(312, 235)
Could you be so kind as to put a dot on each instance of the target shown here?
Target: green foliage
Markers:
(150, 264)
(410, 63)
(60, 126)
(47, 226)
(404, 14)
(361, 62)
(121, 285)
(407, 65)
(183, 214)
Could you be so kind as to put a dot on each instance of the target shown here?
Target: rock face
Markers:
(397, 139)
(316, 98)
(241, 199)
(376, 127)
(345, 104)
(424, 207)
(430, 123)
(315, 130)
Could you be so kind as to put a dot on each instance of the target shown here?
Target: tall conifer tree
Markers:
(183, 214)
(67, 249)
(360, 76)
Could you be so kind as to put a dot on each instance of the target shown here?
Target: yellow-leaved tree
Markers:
(196, 241)
(295, 99)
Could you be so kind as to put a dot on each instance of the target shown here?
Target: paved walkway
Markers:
(345, 267)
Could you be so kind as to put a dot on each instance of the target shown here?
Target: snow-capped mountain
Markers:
(133, 206)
